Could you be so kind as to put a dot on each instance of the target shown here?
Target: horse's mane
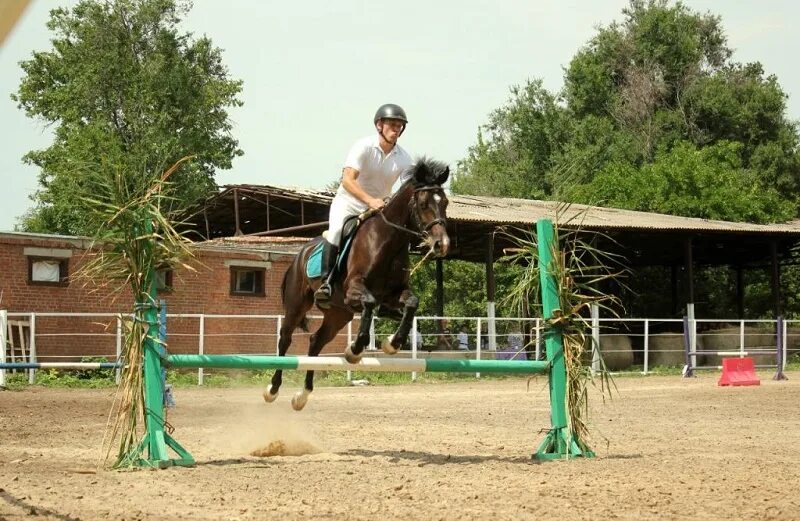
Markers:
(426, 172)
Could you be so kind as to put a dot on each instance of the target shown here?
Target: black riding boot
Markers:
(323, 294)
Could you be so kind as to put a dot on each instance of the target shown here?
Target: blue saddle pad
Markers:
(314, 262)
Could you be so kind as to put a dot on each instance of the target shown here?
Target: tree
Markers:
(655, 116)
(709, 182)
(124, 89)
(655, 88)
(522, 137)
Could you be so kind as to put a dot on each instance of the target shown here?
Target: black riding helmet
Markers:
(390, 111)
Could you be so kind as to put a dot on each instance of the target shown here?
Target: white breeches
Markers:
(341, 209)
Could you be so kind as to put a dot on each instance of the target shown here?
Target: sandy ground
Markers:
(675, 449)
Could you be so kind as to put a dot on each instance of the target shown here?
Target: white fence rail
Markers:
(624, 343)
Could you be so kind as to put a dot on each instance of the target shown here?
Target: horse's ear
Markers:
(443, 176)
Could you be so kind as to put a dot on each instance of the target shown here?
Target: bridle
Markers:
(421, 232)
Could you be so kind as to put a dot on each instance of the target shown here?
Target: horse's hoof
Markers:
(387, 346)
(300, 399)
(350, 357)
(268, 396)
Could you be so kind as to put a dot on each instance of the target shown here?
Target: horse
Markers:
(375, 275)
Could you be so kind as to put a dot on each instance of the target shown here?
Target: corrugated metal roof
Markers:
(504, 210)
(289, 192)
(527, 211)
(272, 244)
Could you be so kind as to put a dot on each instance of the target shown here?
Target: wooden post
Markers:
(776, 278)
(674, 283)
(238, 230)
(687, 255)
(490, 291)
(208, 228)
(439, 290)
(267, 201)
(740, 292)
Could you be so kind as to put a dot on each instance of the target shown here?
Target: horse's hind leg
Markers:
(292, 320)
(333, 322)
(285, 341)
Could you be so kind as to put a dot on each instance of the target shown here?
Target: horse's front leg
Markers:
(359, 293)
(393, 343)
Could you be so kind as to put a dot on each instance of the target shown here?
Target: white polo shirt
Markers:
(377, 172)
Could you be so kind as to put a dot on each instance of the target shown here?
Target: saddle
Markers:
(349, 229)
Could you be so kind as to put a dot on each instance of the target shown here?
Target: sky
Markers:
(315, 71)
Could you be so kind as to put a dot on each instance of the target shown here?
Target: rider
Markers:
(372, 166)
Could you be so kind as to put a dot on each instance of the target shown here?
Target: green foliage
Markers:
(464, 288)
(122, 86)
(94, 374)
(295, 379)
(63, 379)
(522, 137)
(54, 378)
(709, 182)
(655, 116)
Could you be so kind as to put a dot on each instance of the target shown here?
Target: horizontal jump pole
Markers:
(720, 367)
(59, 365)
(400, 365)
(735, 353)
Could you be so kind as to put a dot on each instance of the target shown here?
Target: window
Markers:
(247, 281)
(46, 271)
(164, 280)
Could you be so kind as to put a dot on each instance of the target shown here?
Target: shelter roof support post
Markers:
(690, 310)
(674, 285)
(780, 325)
(439, 288)
(689, 263)
(439, 295)
(238, 230)
(740, 292)
(208, 228)
(775, 279)
(490, 293)
(267, 201)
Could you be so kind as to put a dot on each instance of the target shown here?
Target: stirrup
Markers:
(323, 296)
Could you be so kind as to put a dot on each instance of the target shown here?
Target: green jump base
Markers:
(156, 444)
(558, 445)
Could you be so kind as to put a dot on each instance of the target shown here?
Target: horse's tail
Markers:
(304, 321)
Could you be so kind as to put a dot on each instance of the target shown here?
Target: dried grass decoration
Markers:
(581, 270)
(135, 217)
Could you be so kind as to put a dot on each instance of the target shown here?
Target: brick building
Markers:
(238, 276)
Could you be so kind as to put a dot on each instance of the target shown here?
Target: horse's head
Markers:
(429, 203)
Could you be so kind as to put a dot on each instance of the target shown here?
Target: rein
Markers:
(420, 234)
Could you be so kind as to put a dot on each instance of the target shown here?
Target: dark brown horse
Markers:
(376, 273)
